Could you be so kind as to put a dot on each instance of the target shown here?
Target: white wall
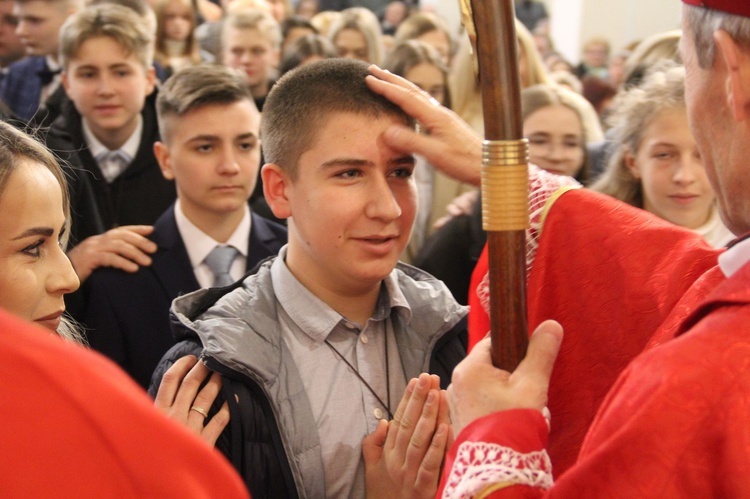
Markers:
(575, 21)
(620, 21)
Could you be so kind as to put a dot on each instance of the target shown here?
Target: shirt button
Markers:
(378, 413)
(363, 338)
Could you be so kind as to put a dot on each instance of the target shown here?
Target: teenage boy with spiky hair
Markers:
(316, 347)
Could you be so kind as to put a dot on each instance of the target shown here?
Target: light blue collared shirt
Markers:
(345, 411)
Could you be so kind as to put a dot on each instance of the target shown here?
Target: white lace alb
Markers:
(478, 465)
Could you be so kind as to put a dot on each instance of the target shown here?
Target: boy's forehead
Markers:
(103, 50)
(207, 119)
(57, 11)
(331, 132)
(38, 9)
(246, 36)
(245, 107)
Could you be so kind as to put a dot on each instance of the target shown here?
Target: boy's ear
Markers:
(64, 81)
(276, 187)
(737, 64)
(161, 151)
(150, 80)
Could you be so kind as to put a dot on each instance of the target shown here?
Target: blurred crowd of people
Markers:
(265, 39)
(153, 114)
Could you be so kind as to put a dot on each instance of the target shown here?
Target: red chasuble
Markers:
(674, 425)
(610, 274)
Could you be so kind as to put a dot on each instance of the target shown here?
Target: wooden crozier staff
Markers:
(491, 25)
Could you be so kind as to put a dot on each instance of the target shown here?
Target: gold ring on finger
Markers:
(199, 410)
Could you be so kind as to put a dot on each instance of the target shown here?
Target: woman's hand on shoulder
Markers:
(181, 397)
(126, 248)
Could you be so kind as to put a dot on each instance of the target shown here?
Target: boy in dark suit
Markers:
(11, 47)
(211, 149)
(106, 135)
(31, 87)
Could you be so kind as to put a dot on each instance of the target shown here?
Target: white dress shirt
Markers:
(52, 86)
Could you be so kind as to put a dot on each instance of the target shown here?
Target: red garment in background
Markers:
(609, 274)
(74, 425)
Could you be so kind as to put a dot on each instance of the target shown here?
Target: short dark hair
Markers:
(197, 86)
(296, 22)
(301, 102)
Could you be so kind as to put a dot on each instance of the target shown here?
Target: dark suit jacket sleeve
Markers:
(451, 253)
(128, 317)
(21, 88)
(102, 323)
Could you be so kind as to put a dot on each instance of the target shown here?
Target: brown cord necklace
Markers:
(367, 385)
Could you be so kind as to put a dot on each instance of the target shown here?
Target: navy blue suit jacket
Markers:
(127, 315)
(22, 86)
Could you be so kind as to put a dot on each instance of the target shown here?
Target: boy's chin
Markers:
(377, 273)
(229, 206)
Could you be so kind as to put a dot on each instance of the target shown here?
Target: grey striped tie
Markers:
(219, 261)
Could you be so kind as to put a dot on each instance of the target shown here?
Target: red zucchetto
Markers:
(737, 7)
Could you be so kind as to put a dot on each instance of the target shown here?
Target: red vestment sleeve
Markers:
(674, 424)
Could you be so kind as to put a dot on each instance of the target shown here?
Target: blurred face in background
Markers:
(595, 55)
(39, 24)
(556, 139)
(307, 8)
(351, 44)
(11, 48)
(293, 34)
(669, 166)
(250, 51)
(440, 41)
(395, 13)
(429, 78)
(178, 20)
(278, 9)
